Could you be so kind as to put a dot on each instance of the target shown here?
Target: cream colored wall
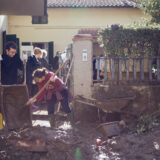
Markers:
(65, 23)
(3, 27)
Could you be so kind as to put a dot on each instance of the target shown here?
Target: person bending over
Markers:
(56, 91)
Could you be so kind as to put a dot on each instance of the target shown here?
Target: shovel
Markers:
(1, 115)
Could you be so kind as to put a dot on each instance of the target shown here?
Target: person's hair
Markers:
(57, 53)
(11, 44)
(37, 51)
(39, 73)
(44, 52)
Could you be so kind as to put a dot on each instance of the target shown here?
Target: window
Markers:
(40, 19)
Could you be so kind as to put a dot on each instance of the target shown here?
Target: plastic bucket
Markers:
(1, 121)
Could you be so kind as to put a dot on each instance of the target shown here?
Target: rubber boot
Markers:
(71, 119)
(52, 120)
(75, 130)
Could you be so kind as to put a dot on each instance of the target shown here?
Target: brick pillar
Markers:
(82, 65)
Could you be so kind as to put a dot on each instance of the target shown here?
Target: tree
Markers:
(151, 7)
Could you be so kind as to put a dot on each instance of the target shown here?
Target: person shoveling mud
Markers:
(55, 91)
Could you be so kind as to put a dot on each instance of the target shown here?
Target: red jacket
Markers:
(53, 88)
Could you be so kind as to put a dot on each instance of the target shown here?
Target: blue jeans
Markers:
(64, 103)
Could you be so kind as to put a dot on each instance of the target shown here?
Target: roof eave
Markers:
(96, 7)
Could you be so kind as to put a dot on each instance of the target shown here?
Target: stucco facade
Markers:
(64, 23)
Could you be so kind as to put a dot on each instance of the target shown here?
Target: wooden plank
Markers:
(127, 69)
(113, 69)
(158, 68)
(105, 69)
(134, 69)
(98, 67)
(142, 67)
(150, 67)
(120, 68)
(87, 103)
(17, 115)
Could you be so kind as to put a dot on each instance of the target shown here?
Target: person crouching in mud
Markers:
(56, 91)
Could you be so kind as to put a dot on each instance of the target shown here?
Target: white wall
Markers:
(3, 27)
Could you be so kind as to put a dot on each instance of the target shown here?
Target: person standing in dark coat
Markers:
(56, 62)
(10, 64)
(32, 64)
(43, 60)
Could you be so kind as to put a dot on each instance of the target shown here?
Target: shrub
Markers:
(133, 40)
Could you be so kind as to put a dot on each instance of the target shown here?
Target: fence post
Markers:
(150, 68)
(158, 68)
(127, 68)
(120, 68)
(98, 67)
(142, 67)
(105, 69)
(134, 68)
(113, 69)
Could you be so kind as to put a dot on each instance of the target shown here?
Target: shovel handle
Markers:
(0, 69)
(45, 86)
(66, 82)
(24, 82)
(0, 73)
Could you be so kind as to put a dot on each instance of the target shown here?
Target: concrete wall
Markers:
(146, 102)
(3, 27)
(146, 96)
(64, 23)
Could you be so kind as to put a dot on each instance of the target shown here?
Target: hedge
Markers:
(131, 41)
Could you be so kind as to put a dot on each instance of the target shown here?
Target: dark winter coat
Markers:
(32, 64)
(55, 63)
(44, 63)
(9, 69)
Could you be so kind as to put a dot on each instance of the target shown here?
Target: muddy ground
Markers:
(45, 143)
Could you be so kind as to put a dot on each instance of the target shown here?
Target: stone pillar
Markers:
(82, 65)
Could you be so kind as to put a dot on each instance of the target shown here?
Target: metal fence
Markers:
(126, 69)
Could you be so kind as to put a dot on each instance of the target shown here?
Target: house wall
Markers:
(64, 23)
(3, 27)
